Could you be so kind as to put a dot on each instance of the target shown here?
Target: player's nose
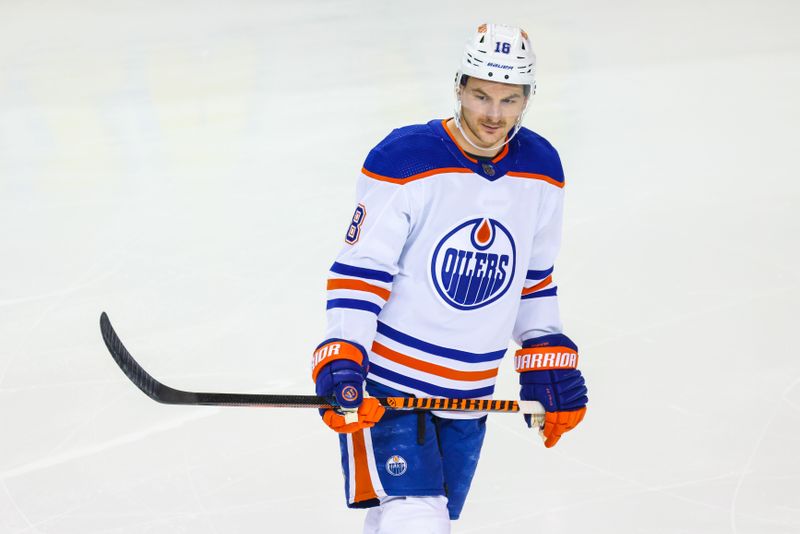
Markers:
(493, 112)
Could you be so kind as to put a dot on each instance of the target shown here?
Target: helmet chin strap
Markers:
(517, 126)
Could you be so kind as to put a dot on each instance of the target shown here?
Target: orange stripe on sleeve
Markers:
(358, 285)
(427, 367)
(364, 489)
(544, 283)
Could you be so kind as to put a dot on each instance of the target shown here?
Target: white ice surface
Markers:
(189, 167)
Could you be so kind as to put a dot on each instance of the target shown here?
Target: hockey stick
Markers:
(164, 394)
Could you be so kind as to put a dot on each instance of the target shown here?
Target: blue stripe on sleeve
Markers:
(430, 389)
(361, 272)
(354, 304)
(539, 275)
(430, 348)
(551, 292)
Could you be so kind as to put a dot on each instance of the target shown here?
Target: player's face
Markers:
(490, 109)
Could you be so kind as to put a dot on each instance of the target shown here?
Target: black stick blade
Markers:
(149, 385)
(162, 393)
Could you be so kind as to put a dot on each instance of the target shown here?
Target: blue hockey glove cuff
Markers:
(548, 374)
(339, 368)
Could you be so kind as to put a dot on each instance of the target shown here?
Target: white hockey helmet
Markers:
(500, 54)
(497, 53)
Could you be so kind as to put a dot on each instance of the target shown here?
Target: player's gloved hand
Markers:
(548, 374)
(369, 413)
(339, 368)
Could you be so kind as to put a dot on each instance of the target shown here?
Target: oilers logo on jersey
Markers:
(473, 264)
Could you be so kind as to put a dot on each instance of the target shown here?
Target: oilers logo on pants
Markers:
(396, 465)
(473, 264)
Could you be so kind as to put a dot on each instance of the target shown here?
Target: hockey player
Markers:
(449, 254)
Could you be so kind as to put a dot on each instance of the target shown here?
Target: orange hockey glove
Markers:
(369, 413)
(556, 423)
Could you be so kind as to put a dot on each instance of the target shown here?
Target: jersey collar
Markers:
(491, 170)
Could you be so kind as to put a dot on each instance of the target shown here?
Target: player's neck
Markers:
(464, 145)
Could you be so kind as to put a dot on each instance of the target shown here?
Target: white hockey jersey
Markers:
(446, 258)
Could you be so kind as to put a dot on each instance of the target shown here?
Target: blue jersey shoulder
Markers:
(408, 152)
(535, 155)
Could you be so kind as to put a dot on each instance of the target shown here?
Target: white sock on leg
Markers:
(404, 515)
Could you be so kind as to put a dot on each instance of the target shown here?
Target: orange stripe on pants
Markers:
(364, 489)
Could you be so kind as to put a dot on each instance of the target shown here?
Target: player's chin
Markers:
(491, 138)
